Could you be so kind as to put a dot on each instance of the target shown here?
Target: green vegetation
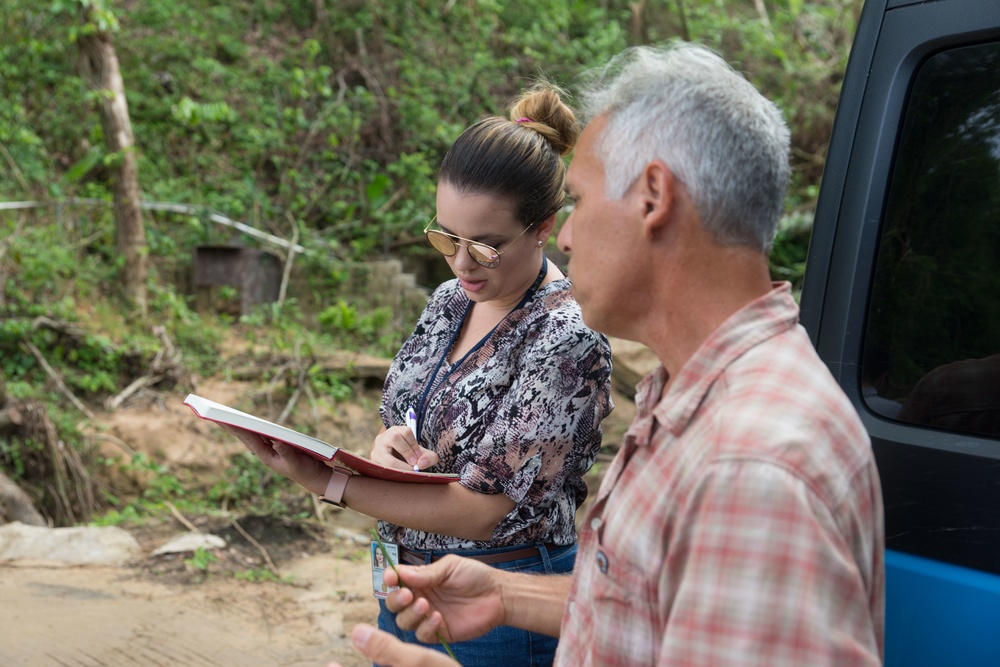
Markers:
(336, 115)
(258, 575)
(317, 122)
(201, 559)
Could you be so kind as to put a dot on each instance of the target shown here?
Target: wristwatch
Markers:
(335, 487)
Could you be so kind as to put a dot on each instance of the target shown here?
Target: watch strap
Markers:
(339, 477)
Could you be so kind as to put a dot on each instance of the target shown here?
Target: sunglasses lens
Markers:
(441, 243)
(485, 255)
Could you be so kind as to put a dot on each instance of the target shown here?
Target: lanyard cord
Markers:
(433, 383)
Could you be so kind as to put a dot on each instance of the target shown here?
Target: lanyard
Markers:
(431, 384)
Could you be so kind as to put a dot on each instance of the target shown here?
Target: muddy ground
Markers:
(173, 610)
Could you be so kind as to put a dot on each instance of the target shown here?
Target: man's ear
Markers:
(658, 195)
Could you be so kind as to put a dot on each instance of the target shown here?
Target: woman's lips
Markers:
(471, 285)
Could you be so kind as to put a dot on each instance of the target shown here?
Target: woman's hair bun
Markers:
(541, 108)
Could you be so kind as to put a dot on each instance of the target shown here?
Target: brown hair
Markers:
(519, 158)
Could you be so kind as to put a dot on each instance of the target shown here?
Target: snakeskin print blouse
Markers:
(519, 415)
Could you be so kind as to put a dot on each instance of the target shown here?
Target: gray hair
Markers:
(684, 105)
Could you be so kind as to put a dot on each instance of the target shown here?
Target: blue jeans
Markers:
(503, 646)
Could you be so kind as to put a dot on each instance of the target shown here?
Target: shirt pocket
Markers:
(623, 609)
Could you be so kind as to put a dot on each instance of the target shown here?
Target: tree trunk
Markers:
(99, 68)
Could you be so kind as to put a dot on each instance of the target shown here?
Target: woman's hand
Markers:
(285, 460)
(397, 447)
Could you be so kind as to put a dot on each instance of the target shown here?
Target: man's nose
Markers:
(565, 239)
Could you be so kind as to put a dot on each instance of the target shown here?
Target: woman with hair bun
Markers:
(508, 385)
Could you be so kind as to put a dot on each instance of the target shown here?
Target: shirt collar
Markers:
(761, 319)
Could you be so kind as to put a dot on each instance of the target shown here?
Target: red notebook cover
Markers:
(223, 414)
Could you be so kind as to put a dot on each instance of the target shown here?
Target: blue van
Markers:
(902, 300)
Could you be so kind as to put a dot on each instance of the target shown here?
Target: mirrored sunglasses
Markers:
(448, 244)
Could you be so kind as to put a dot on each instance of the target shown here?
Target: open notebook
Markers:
(223, 414)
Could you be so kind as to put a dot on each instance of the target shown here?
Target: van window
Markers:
(932, 338)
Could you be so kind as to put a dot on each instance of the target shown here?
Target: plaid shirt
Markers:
(741, 522)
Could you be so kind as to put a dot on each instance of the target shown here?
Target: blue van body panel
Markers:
(939, 614)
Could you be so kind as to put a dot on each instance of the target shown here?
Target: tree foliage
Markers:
(339, 113)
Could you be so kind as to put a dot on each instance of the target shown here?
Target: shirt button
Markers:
(602, 562)
(595, 524)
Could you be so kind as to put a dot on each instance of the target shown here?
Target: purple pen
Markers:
(411, 422)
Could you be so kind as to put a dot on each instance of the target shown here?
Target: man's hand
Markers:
(384, 649)
(458, 597)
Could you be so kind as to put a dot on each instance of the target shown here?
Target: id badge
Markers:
(379, 566)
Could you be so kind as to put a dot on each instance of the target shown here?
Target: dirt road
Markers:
(109, 617)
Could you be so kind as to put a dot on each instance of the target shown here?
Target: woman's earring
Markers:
(541, 243)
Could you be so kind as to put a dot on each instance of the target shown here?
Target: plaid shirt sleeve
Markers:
(767, 577)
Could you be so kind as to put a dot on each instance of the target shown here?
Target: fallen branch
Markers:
(291, 402)
(180, 517)
(278, 375)
(121, 444)
(263, 552)
(134, 387)
(51, 372)
(173, 354)
(302, 380)
(58, 326)
(80, 477)
(312, 406)
(164, 362)
(358, 367)
(318, 507)
(59, 467)
(286, 274)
